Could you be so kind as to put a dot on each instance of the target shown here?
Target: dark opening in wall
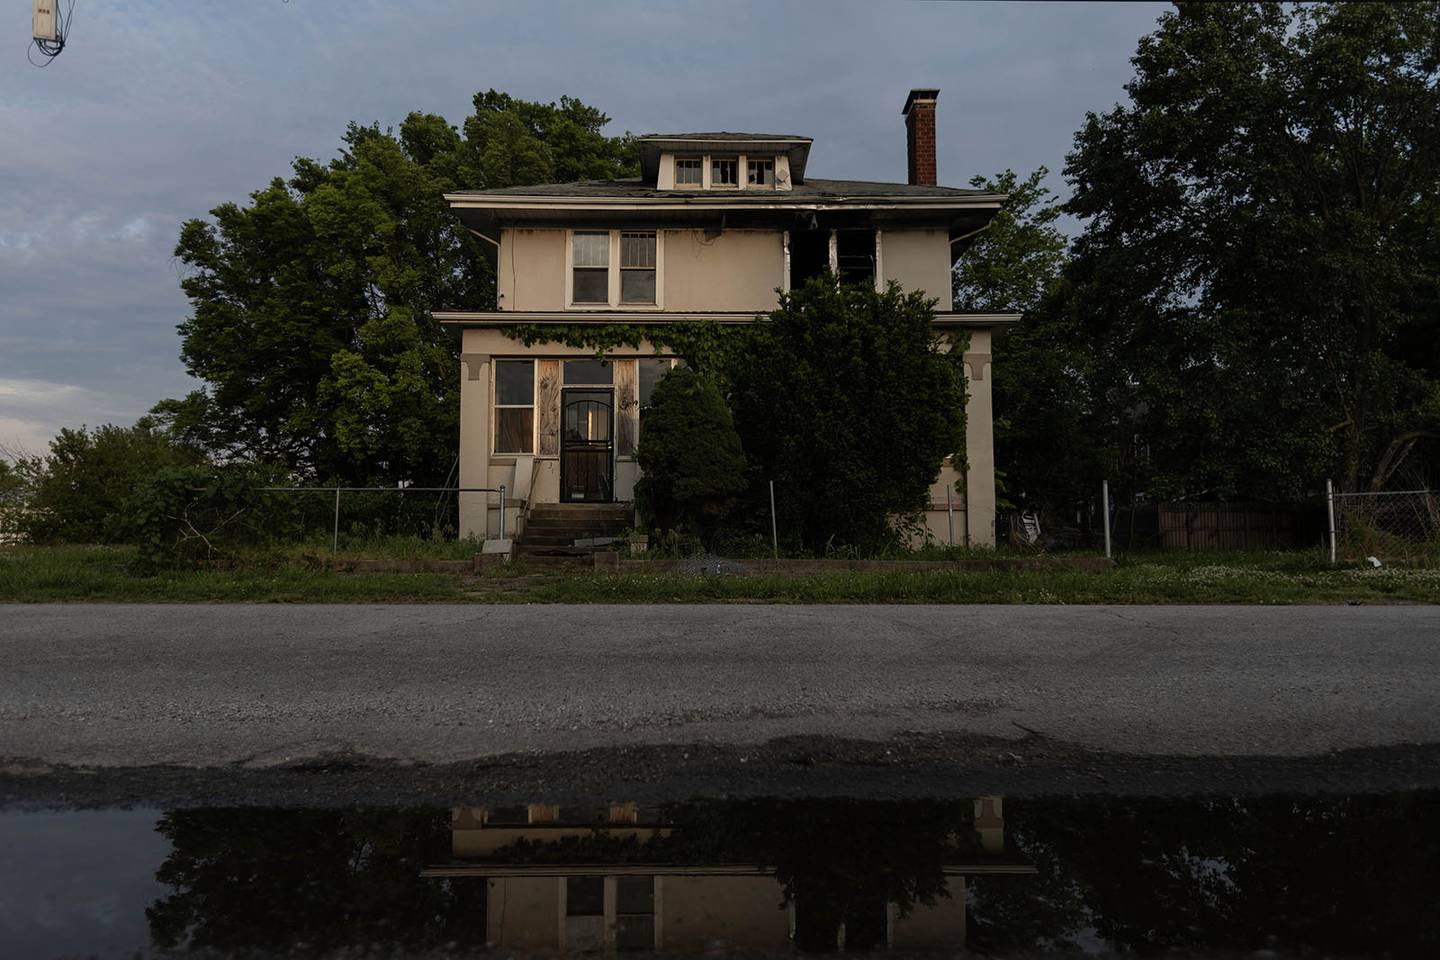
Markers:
(809, 255)
(855, 255)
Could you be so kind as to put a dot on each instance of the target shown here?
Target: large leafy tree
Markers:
(849, 401)
(1261, 256)
(1045, 445)
(310, 323)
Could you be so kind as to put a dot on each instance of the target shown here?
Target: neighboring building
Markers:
(715, 227)
(571, 882)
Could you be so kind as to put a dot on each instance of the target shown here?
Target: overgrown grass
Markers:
(39, 574)
(77, 573)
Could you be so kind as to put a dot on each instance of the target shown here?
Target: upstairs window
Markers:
(590, 261)
(689, 172)
(760, 173)
(637, 268)
(615, 268)
(724, 172)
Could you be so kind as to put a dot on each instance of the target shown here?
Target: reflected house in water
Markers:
(689, 880)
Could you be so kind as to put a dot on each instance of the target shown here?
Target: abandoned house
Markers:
(714, 229)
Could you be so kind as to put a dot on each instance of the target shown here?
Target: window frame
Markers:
(613, 302)
(701, 160)
(736, 161)
(496, 406)
(761, 162)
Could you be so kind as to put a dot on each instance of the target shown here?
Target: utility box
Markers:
(42, 20)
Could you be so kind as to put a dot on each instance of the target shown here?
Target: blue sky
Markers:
(158, 111)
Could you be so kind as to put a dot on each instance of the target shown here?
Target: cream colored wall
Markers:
(743, 912)
(531, 271)
(918, 260)
(937, 925)
(524, 912)
(736, 270)
(980, 441)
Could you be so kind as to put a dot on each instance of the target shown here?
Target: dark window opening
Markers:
(855, 256)
(809, 255)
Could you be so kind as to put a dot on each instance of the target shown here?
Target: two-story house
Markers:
(714, 229)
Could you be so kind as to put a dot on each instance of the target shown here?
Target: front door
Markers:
(587, 445)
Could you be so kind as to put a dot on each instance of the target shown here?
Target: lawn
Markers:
(45, 574)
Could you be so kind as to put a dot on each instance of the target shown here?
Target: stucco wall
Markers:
(918, 260)
(740, 912)
(524, 912)
(531, 272)
(736, 270)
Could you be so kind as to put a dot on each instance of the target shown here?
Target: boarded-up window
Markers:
(590, 260)
(514, 406)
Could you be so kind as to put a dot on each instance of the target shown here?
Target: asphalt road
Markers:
(119, 685)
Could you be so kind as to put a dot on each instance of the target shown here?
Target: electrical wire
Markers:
(50, 49)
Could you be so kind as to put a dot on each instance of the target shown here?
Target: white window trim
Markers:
(614, 272)
(496, 406)
(745, 183)
(739, 183)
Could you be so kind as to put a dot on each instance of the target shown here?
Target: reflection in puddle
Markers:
(1291, 874)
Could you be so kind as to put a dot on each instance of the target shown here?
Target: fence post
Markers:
(774, 530)
(950, 513)
(1330, 512)
(1105, 512)
(335, 533)
(502, 511)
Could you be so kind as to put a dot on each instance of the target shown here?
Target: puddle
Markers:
(1286, 875)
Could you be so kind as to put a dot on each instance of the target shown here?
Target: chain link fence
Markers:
(1393, 525)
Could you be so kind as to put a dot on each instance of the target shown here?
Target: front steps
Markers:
(551, 529)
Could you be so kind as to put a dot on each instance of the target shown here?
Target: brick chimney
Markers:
(920, 136)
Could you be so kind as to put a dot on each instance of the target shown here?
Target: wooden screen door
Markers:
(587, 446)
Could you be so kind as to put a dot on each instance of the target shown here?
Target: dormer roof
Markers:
(722, 143)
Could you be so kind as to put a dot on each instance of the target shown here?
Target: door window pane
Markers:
(584, 896)
(514, 382)
(589, 371)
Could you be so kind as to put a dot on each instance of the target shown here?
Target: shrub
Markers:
(77, 491)
(191, 514)
(689, 454)
(849, 401)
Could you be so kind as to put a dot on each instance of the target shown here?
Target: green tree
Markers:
(310, 323)
(689, 453)
(1260, 266)
(848, 400)
(1045, 440)
(79, 490)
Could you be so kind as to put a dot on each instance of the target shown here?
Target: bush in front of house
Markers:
(849, 401)
(194, 514)
(690, 456)
(77, 492)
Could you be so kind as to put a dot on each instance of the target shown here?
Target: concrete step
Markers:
(546, 540)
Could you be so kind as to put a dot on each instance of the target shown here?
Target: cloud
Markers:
(32, 411)
(159, 110)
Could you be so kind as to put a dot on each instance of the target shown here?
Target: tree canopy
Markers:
(1260, 260)
(310, 323)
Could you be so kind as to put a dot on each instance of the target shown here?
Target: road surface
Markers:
(204, 685)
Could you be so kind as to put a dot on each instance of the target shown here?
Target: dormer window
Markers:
(760, 173)
(724, 172)
(689, 172)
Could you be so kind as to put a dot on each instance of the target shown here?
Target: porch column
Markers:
(979, 443)
(475, 444)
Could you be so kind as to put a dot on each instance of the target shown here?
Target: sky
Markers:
(159, 110)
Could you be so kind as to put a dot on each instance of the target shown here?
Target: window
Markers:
(760, 173)
(637, 268)
(689, 171)
(589, 372)
(724, 172)
(590, 260)
(615, 268)
(652, 371)
(855, 256)
(514, 406)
